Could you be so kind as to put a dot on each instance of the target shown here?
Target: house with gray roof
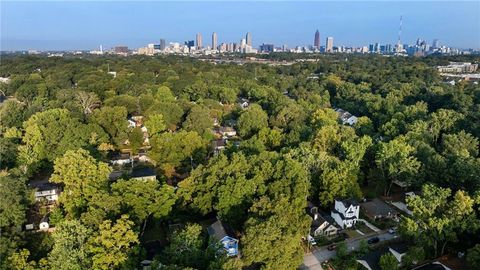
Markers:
(222, 234)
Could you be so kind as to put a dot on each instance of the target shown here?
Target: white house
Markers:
(346, 117)
(227, 131)
(48, 192)
(346, 213)
(322, 225)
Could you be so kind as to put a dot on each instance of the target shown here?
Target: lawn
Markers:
(352, 233)
(363, 228)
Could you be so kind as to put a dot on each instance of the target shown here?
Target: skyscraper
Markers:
(214, 41)
(329, 45)
(316, 41)
(248, 37)
(199, 41)
(435, 44)
(162, 44)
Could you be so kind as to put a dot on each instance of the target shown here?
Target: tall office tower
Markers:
(199, 41)
(435, 44)
(329, 45)
(190, 44)
(214, 41)
(162, 44)
(316, 41)
(248, 37)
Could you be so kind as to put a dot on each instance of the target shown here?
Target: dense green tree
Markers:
(199, 120)
(83, 178)
(169, 149)
(114, 121)
(70, 247)
(49, 135)
(388, 262)
(187, 248)
(252, 120)
(155, 124)
(113, 243)
(142, 199)
(396, 161)
(437, 217)
(473, 256)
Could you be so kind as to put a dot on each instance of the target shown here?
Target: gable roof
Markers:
(218, 230)
(348, 202)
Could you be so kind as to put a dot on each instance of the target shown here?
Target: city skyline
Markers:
(25, 26)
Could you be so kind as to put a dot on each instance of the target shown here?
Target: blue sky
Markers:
(85, 25)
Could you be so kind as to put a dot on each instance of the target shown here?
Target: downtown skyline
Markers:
(338, 20)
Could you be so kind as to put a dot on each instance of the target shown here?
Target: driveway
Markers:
(313, 260)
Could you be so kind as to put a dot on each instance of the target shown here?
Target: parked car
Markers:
(373, 240)
(332, 247)
(311, 240)
(391, 231)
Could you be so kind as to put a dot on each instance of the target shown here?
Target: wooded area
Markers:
(63, 119)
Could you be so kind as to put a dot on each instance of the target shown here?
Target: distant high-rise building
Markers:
(199, 41)
(266, 48)
(162, 44)
(316, 41)
(248, 37)
(121, 49)
(214, 41)
(190, 43)
(435, 44)
(329, 44)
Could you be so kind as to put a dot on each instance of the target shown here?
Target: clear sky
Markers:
(85, 25)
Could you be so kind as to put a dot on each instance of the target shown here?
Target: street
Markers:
(313, 260)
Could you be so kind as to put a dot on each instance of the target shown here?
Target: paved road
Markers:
(313, 260)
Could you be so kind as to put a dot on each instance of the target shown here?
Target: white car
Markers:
(311, 240)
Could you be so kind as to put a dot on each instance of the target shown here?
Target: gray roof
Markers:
(377, 207)
(219, 230)
(143, 172)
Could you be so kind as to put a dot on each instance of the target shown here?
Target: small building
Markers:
(346, 117)
(121, 159)
(243, 103)
(224, 235)
(143, 173)
(44, 224)
(346, 213)
(48, 192)
(227, 131)
(218, 146)
(322, 225)
(377, 209)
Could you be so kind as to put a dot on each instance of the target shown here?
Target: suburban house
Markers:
(143, 173)
(346, 117)
(371, 260)
(346, 212)
(227, 131)
(121, 159)
(377, 209)
(244, 103)
(322, 225)
(223, 234)
(218, 146)
(48, 192)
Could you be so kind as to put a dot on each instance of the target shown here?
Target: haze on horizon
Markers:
(86, 25)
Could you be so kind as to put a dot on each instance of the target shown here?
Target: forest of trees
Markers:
(64, 117)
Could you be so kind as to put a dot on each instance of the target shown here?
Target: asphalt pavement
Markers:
(313, 260)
